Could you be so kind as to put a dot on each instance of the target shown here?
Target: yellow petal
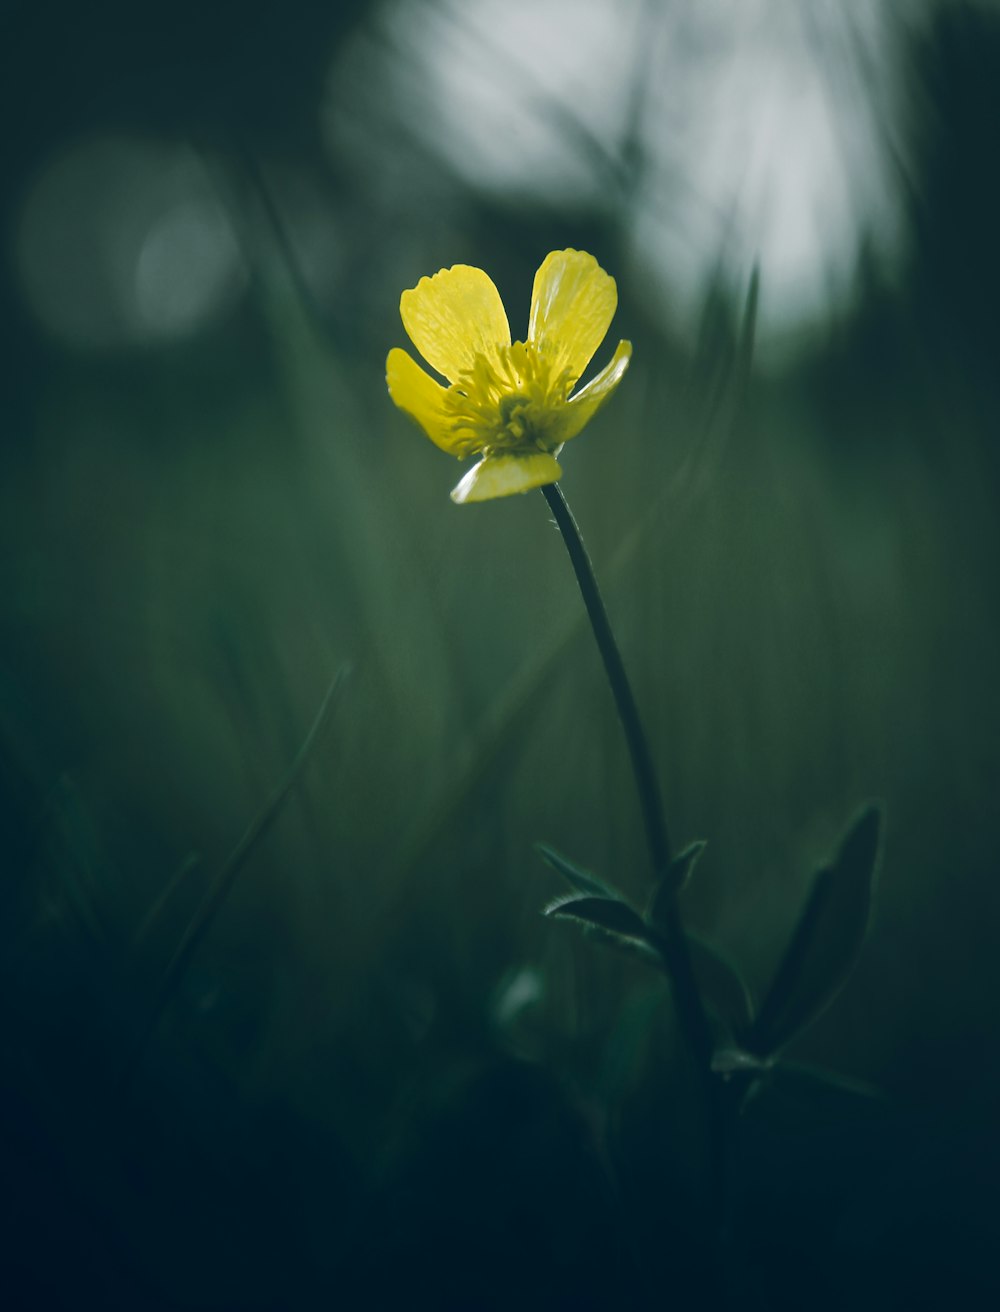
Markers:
(453, 317)
(503, 475)
(572, 304)
(416, 392)
(580, 409)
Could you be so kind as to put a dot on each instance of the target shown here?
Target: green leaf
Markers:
(582, 880)
(676, 876)
(603, 912)
(680, 868)
(827, 941)
(721, 986)
(613, 920)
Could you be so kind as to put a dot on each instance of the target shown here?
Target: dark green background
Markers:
(339, 1105)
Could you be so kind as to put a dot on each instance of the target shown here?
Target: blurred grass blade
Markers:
(177, 880)
(683, 864)
(827, 940)
(748, 332)
(581, 880)
(214, 898)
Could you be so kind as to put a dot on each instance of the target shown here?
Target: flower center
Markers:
(509, 405)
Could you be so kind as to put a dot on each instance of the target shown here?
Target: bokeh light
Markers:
(126, 242)
(718, 136)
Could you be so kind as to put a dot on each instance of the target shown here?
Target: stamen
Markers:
(509, 404)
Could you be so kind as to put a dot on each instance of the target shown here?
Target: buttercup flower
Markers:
(508, 402)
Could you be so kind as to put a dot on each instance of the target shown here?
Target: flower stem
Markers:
(687, 998)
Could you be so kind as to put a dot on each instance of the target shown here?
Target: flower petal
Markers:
(503, 475)
(580, 409)
(572, 304)
(453, 317)
(416, 392)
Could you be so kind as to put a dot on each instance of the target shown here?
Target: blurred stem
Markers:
(687, 999)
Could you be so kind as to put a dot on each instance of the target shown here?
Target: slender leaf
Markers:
(827, 940)
(683, 864)
(192, 862)
(613, 921)
(581, 880)
(606, 913)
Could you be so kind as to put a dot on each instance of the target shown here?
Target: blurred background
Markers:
(382, 1075)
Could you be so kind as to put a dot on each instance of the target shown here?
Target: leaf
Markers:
(613, 920)
(674, 879)
(827, 941)
(606, 913)
(748, 331)
(680, 868)
(581, 880)
(721, 986)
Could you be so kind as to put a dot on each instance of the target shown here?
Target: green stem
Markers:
(687, 998)
(657, 837)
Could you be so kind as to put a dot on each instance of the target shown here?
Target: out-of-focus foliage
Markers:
(384, 1070)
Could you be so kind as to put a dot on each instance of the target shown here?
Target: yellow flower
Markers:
(509, 403)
